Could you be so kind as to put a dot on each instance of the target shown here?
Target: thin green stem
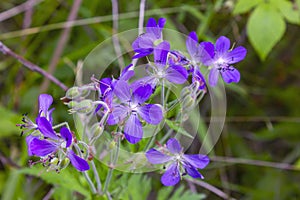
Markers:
(97, 177)
(61, 124)
(85, 174)
(163, 94)
(114, 160)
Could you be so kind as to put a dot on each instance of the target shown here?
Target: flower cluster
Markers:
(125, 104)
(54, 149)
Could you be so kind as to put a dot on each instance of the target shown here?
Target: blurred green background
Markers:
(263, 116)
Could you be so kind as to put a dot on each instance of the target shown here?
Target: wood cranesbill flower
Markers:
(220, 59)
(162, 70)
(145, 43)
(177, 162)
(132, 109)
(50, 144)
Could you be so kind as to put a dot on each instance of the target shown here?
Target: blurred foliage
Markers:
(263, 120)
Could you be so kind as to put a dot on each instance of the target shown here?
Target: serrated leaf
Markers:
(265, 28)
(287, 10)
(139, 187)
(243, 6)
(164, 193)
(179, 193)
(64, 179)
(179, 129)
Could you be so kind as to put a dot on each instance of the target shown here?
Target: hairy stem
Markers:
(98, 181)
(85, 174)
(114, 160)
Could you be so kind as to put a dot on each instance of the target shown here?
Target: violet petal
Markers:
(122, 91)
(206, 53)
(105, 86)
(127, 73)
(236, 55)
(45, 101)
(118, 113)
(222, 45)
(133, 129)
(46, 128)
(142, 93)
(161, 22)
(213, 76)
(156, 157)
(174, 146)
(29, 139)
(196, 160)
(66, 135)
(161, 54)
(192, 171)
(147, 80)
(198, 77)
(79, 163)
(171, 176)
(42, 147)
(231, 75)
(151, 113)
(192, 44)
(176, 74)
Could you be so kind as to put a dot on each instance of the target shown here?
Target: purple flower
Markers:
(106, 86)
(132, 109)
(177, 162)
(45, 101)
(177, 58)
(51, 143)
(196, 52)
(161, 70)
(220, 57)
(198, 78)
(145, 43)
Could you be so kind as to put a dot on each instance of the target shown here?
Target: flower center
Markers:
(160, 74)
(177, 157)
(133, 107)
(220, 62)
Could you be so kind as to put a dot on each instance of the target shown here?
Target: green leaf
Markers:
(8, 122)
(65, 179)
(287, 10)
(179, 193)
(243, 6)
(138, 187)
(297, 164)
(265, 28)
(174, 126)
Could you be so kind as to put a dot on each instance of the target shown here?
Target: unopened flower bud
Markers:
(71, 104)
(112, 145)
(84, 106)
(64, 163)
(97, 130)
(73, 93)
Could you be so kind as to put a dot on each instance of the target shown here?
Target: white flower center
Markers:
(160, 74)
(220, 63)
